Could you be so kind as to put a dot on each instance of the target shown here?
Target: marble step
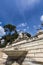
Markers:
(31, 48)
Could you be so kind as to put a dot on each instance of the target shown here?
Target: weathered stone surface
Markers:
(3, 58)
(34, 55)
(15, 63)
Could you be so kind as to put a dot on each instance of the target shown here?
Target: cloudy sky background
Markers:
(27, 15)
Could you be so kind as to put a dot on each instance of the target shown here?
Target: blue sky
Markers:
(27, 15)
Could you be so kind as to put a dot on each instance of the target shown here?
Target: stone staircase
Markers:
(34, 55)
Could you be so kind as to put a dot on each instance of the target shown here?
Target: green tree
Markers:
(9, 28)
(11, 33)
(28, 34)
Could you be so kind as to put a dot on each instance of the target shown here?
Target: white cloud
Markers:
(18, 30)
(41, 18)
(22, 25)
(0, 22)
(24, 30)
(39, 26)
(27, 27)
(35, 27)
(2, 32)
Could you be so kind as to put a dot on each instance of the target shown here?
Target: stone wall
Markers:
(3, 58)
(34, 54)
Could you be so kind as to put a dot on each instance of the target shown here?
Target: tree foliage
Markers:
(28, 34)
(11, 34)
(9, 28)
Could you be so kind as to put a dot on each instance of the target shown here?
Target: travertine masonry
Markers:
(34, 55)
